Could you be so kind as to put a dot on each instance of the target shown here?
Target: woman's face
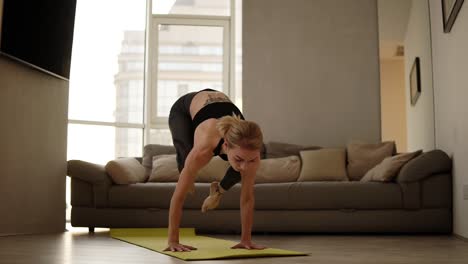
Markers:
(242, 159)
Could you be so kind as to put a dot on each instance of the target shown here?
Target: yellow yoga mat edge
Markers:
(208, 248)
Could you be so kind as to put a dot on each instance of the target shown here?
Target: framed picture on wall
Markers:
(415, 81)
(450, 9)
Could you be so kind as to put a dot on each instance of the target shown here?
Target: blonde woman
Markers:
(205, 124)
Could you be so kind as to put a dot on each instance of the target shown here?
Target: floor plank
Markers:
(77, 246)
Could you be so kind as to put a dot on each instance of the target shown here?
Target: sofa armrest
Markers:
(93, 174)
(426, 164)
(88, 172)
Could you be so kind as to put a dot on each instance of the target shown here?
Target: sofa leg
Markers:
(91, 229)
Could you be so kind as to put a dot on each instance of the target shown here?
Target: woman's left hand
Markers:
(248, 245)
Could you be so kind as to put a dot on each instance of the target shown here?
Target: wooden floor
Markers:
(77, 246)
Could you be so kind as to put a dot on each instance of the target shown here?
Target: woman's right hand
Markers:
(177, 247)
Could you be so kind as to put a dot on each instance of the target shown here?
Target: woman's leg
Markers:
(230, 179)
(218, 188)
(180, 125)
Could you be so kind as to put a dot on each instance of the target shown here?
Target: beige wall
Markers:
(393, 104)
(311, 70)
(420, 117)
(451, 96)
(33, 113)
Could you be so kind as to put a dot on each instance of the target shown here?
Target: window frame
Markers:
(229, 45)
(157, 122)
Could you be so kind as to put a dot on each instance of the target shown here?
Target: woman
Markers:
(204, 124)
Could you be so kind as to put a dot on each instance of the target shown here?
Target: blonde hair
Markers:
(242, 133)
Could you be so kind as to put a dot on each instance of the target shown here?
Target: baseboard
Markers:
(464, 239)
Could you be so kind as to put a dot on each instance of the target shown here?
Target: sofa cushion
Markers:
(363, 156)
(142, 195)
(155, 195)
(327, 164)
(125, 171)
(270, 170)
(278, 170)
(388, 169)
(280, 150)
(335, 195)
(164, 169)
(151, 150)
(269, 196)
(213, 171)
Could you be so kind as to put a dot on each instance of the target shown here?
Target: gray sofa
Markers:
(418, 201)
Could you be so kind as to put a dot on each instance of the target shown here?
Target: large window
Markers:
(189, 49)
(198, 59)
(121, 90)
(106, 100)
(109, 95)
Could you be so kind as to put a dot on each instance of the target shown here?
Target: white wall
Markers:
(311, 70)
(450, 57)
(33, 114)
(420, 117)
(393, 103)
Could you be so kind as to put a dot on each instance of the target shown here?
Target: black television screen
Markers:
(39, 33)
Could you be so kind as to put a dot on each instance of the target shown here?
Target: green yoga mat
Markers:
(207, 247)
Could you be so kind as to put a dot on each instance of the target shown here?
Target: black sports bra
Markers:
(216, 110)
(217, 150)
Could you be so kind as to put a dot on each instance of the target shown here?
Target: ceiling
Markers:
(393, 21)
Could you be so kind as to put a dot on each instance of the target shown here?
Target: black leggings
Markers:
(182, 130)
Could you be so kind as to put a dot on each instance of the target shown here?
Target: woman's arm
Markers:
(247, 205)
(206, 138)
(196, 159)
